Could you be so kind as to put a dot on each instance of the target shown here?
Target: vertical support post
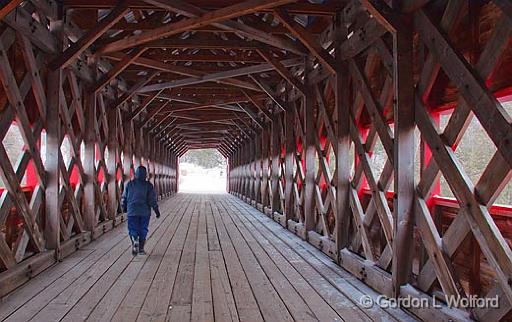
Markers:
(289, 162)
(53, 133)
(250, 170)
(276, 156)
(403, 158)
(127, 155)
(245, 166)
(112, 164)
(177, 169)
(264, 155)
(138, 147)
(90, 162)
(342, 105)
(257, 168)
(309, 153)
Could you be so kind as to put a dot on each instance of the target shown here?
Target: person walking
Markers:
(138, 199)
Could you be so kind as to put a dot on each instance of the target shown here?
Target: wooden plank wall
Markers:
(74, 199)
(390, 240)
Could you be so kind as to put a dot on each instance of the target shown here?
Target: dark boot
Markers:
(135, 245)
(141, 247)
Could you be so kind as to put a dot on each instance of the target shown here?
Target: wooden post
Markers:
(342, 105)
(309, 155)
(257, 167)
(276, 161)
(112, 164)
(289, 162)
(53, 133)
(90, 220)
(252, 169)
(264, 155)
(403, 159)
(127, 151)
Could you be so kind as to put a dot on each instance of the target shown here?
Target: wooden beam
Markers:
(144, 104)
(260, 107)
(153, 113)
(73, 51)
(271, 94)
(384, 14)
(403, 160)
(291, 146)
(342, 104)
(89, 213)
(129, 94)
(218, 76)
(309, 153)
(247, 31)
(362, 39)
(180, 70)
(491, 114)
(219, 15)
(281, 69)
(53, 134)
(118, 68)
(407, 6)
(251, 114)
(307, 39)
(304, 8)
(8, 6)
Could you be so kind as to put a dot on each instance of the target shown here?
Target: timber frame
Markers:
(297, 96)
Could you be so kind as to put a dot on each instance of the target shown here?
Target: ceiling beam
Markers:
(305, 8)
(144, 104)
(258, 105)
(307, 39)
(8, 6)
(153, 113)
(236, 10)
(73, 51)
(220, 75)
(384, 14)
(192, 11)
(252, 115)
(180, 70)
(129, 94)
(222, 58)
(266, 88)
(118, 68)
(282, 70)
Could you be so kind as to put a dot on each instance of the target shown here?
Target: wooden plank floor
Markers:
(210, 257)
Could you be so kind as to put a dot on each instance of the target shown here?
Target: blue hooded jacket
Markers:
(139, 195)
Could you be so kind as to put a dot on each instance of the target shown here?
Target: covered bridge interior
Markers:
(347, 122)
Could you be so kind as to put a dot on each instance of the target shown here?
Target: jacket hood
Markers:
(141, 173)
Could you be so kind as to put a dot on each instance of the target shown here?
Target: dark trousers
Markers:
(138, 226)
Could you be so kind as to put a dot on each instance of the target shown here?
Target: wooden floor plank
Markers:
(39, 301)
(223, 300)
(211, 257)
(246, 304)
(156, 303)
(24, 294)
(116, 260)
(318, 306)
(132, 303)
(296, 305)
(270, 304)
(287, 242)
(202, 303)
(107, 305)
(180, 307)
